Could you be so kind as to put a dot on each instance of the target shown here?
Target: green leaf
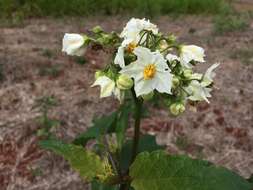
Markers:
(99, 186)
(147, 143)
(103, 125)
(160, 171)
(87, 163)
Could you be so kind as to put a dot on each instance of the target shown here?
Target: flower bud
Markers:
(105, 39)
(163, 45)
(187, 73)
(148, 96)
(172, 38)
(99, 74)
(124, 82)
(175, 82)
(97, 29)
(177, 108)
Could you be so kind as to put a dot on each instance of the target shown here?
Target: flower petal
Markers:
(143, 87)
(209, 72)
(133, 70)
(144, 55)
(135, 26)
(191, 52)
(119, 58)
(160, 62)
(198, 92)
(72, 43)
(164, 82)
(107, 86)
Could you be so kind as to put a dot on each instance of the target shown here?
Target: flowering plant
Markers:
(146, 66)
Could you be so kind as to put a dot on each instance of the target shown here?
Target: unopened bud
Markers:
(148, 96)
(163, 45)
(177, 108)
(187, 73)
(105, 39)
(172, 38)
(175, 82)
(124, 82)
(97, 29)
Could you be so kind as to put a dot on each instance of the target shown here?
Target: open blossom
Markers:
(72, 44)
(191, 53)
(135, 26)
(150, 72)
(108, 88)
(198, 91)
(131, 35)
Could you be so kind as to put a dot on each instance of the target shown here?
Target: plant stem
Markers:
(137, 118)
(124, 187)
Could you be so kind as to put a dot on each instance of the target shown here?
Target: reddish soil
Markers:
(221, 131)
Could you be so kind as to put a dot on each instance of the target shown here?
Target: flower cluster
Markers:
(149, 64)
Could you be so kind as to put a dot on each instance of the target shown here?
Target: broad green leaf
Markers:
(87, 163)
(105, 124)
(160, 171)
(147, 143)
(99, 186)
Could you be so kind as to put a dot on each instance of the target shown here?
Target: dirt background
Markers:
(221, 131)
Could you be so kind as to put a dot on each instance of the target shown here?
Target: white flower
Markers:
(209, 75)
(198, 91)
(171, 57)
(135, 26)
(131, 35)
(108, 88)
(150, 71)
(72, 44)
(191, 52)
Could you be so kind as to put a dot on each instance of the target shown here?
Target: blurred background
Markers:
(44, 92)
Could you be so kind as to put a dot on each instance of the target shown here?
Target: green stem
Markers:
(136, 138)
(124, 186)
(137, 118)
(167, 48)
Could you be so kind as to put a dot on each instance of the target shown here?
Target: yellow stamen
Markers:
(149, 71)
(131, 46)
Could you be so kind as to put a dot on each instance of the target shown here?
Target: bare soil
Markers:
(221, 132)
